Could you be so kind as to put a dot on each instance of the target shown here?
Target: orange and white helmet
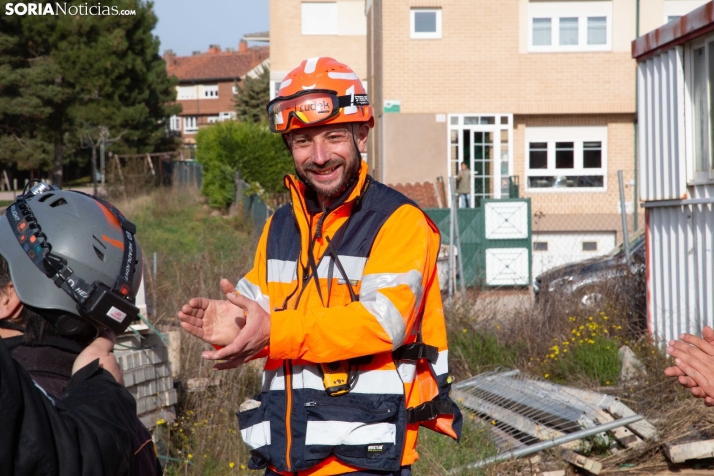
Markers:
(319, 91)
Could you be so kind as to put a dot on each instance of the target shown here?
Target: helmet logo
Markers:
(321, 107)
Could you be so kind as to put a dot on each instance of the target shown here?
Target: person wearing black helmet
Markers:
(69, 270)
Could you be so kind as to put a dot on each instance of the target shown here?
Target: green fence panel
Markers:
(471, 233)
(472, 230)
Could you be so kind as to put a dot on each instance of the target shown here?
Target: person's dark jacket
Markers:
(91, 429)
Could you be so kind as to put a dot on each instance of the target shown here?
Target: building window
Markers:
(190, 125)
(589, 245)
(701, 76)
(319, 18)
(186, 92)
(540, 246)
(425, 23)
(175, 123)
(226, 116)
(675, 9)
(209, 91)
(566, 158)
(213, 119)
(570, 26)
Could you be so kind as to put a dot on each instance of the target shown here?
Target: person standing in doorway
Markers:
(463, 185)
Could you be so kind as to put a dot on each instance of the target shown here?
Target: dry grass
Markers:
(195, 249)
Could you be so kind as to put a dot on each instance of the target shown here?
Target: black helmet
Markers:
(73, 258)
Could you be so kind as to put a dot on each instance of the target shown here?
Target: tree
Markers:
(31, 91)
(253, 95)
(110, 75)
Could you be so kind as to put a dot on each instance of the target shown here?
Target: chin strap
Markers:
(7, 324)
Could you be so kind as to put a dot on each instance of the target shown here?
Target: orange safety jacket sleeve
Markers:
(399, 267)
(254, 284)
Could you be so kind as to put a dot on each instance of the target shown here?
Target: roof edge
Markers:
(691, 25)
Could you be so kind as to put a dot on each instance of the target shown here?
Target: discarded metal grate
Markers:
(527, 414)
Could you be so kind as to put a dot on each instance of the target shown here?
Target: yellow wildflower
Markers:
(231, 465)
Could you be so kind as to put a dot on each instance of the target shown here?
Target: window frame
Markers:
(679, 8)
(556, 11)
(189, 128)
(334, 29)
(184, 89)
(207, 89)
(414, 35)
(175, 123)
(579, 135)
(699, 177)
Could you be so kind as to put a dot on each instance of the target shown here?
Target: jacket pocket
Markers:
(365, 431)
(255, 432)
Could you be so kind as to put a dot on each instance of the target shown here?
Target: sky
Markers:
(191, 25)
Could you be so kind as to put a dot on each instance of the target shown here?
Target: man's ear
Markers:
(362, 133)
(10, 304)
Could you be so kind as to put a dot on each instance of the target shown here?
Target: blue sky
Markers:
(191, 25)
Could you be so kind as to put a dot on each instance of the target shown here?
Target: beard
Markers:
(350, 174)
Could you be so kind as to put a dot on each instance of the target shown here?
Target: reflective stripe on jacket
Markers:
(357, 279)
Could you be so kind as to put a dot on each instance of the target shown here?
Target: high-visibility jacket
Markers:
(356, 281)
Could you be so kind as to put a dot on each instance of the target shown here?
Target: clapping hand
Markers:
(694, 364)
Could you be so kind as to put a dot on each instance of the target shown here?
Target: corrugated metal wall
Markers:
(680, 238)
(681, 269)
(661, 126)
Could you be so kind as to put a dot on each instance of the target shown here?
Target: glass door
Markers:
(482, 165)
(483, 143)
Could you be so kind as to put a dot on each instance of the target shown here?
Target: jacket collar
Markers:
(307, 197)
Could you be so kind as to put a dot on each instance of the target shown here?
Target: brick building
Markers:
(208, 83)
(529, 92)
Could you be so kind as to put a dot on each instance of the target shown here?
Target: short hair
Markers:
(36, 326)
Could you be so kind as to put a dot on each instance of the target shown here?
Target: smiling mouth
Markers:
(321, 172)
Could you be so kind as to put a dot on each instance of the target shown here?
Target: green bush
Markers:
(591, 352)
(251, 149)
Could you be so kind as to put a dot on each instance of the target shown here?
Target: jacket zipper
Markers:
(366, 410)
(288, 410)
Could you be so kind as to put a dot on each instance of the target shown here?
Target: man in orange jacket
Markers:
(343, 300)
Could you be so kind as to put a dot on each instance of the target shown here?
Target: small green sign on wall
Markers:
(392, 105)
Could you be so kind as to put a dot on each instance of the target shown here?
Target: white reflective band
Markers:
(257, 435)
(280, 271)
(273, 378)
(252, 291)
(407, 371)
(378, 382)
(441, 366)
(310, 65)
(309, 376)
(336, 75)
(285, 84)
(333, 433)
(388, 317)
(352, 265)
(372, 283)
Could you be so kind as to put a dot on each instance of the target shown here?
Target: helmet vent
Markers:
(58, 203)
(45, 197)
(99, 242)
(99, 254)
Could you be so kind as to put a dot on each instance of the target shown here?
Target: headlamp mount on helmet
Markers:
(102, 306)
